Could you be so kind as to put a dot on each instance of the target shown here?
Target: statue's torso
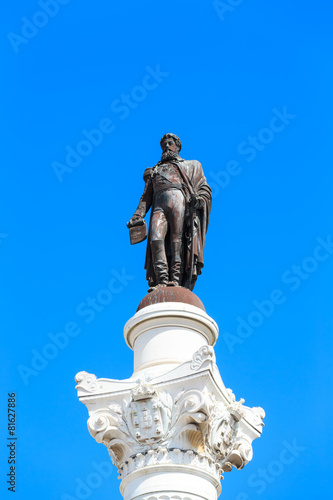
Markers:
(165, 176)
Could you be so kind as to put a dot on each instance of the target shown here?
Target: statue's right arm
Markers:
(146, 199)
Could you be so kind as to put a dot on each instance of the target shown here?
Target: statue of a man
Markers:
(180, 198)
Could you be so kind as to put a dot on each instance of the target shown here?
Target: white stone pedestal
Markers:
(166, 335)
(173, 427)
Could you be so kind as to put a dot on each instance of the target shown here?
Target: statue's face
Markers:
(169, 145)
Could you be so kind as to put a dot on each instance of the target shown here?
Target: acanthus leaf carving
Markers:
(106, 426)
(221, 433)
(227, 438)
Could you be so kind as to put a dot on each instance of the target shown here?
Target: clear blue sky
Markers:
(249, 91)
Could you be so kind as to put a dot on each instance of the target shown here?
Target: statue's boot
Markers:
(160, 262)
(177, 268)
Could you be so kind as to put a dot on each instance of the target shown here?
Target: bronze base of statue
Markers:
(161, 294)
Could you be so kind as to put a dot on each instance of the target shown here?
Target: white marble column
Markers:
(172, 428)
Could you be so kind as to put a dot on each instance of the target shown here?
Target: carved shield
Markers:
(146, 420)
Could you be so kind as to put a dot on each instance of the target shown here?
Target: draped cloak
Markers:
(194, 183)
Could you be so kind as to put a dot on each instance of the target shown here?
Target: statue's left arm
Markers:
(146, 199)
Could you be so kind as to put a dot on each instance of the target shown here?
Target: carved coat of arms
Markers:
(148, 414)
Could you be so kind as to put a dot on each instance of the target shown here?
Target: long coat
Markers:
(194, 183)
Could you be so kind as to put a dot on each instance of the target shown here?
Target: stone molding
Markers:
(170, 496)
(165, 457)
(164, 315)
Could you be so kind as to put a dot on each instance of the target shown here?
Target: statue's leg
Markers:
(176, 221)
(177, 266)
(159, 227)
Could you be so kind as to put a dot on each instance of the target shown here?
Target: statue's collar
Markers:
(172, 160)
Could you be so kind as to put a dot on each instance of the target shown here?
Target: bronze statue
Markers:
(181, 199)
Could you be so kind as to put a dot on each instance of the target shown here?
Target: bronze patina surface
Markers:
(171, 294)
(180, 199)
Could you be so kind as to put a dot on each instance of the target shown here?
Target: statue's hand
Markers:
(196, 202)
(134, 220)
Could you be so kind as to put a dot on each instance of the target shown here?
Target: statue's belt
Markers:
(167, 187)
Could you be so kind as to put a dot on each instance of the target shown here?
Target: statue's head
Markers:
(171, 142)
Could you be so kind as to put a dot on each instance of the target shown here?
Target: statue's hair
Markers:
(175, 138)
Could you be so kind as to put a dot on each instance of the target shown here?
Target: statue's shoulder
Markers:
(147, 173)
(192, 164)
